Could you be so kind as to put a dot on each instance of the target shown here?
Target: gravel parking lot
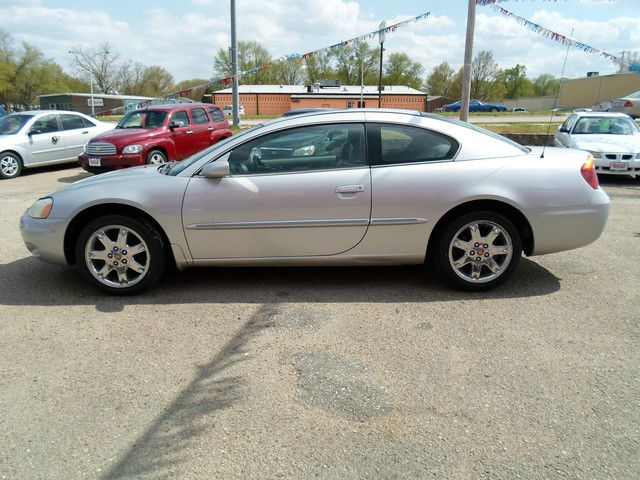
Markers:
(323, 373)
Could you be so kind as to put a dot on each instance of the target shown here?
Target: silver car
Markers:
(629, 105)
(44, 137)
(356, 187)
(612, 138)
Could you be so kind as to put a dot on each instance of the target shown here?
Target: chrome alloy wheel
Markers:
(156, 159)
(9, 165)
(117, 256)
(480, 251)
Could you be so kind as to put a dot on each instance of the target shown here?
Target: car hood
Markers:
(608, 143)
(126, 135)
(117, 177)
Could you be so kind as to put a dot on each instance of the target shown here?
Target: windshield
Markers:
(143, 119)
(605, 126)
(176, 168)
(11, 124)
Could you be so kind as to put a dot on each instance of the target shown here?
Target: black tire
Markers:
(141, 236)
(495, 110)
(156, 157)
(10, 165)
(460, 230)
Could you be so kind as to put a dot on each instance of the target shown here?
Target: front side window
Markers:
(143, 119)
(199, 116)
(180, 118)
(402, 144)
(11, 124)
(317, 147)
(45, 124)
(71, 122)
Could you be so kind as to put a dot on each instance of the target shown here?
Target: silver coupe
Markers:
(356, 187)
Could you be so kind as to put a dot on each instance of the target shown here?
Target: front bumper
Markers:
(604, 166)
(44, 238)
(111, 162)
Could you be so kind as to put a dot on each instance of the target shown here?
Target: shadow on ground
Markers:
(161, 448)
(31, 282)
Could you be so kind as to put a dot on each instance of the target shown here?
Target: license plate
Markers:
(619, 165)
(94, 162)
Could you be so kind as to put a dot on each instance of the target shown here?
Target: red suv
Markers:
(156, 134)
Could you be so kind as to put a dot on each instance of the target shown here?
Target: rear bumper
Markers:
(559, 229)
(110, 162)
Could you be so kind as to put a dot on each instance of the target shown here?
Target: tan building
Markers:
(277, 99)
(588, 91)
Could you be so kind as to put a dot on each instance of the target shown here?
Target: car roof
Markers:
(602, 114)
(173, 106)
(39, 112)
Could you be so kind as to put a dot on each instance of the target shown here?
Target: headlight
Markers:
(304, 151)
(132, 149)
(84, 148)
(41, 208)
(596, 154)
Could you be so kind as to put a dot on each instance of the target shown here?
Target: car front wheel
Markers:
(478, 251)
(10, 165)
(156, 157)
(120, 255)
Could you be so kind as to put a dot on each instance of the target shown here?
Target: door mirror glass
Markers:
(34, 131)
(563, 129)
(217, 169)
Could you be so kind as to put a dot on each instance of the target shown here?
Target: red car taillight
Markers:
(588, 172)
(628, 104)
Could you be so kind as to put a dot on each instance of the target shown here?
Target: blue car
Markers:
(476, 106)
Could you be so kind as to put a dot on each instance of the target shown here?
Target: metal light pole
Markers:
(468, 53)
(234, 66)
(381, 36)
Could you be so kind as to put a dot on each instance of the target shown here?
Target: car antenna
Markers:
(555, 100)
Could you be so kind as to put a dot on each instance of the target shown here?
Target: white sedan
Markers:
(44, 137)
(612, 138)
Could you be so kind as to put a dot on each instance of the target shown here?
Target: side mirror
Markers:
(173, 125)
(34, 131)
(217, 169)
(563, 129)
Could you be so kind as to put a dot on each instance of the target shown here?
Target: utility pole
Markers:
(381, 36)
(468, 53)
(234, 66)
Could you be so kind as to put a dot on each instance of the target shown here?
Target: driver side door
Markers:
(301, 192)
(45, 144)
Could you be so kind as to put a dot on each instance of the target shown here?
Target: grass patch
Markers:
(515, 128)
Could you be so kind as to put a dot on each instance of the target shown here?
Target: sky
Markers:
(183, 36)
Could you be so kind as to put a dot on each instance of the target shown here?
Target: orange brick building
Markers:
(277, 99)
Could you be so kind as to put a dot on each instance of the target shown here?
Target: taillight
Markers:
(588, 172)
(628, 104)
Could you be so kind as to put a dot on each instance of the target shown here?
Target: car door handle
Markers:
(350, 189)
(189, 132)
(55, 138)
(210, 128)
(85, 131)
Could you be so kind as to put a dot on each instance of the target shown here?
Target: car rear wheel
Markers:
(478, 251)
(120, 255)
(156, 157)
(494, 109)
(10, 165)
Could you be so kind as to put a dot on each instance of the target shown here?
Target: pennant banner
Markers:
(558, 37)
(285, 58)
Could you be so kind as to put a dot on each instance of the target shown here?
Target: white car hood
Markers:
(607, 143)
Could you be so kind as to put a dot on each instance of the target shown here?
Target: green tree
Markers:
(156, 81)
(131, 78)
(485, 84)
(288, 72)
(439, 81)
(318, 67)
(356, 61)
(515, 81)
(401, 70)
(546, 85)
(251, 54)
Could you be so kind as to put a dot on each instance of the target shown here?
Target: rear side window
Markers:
(71, 122)
(180, 118)
(216, 114)
(402, 144)
(199, 116)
